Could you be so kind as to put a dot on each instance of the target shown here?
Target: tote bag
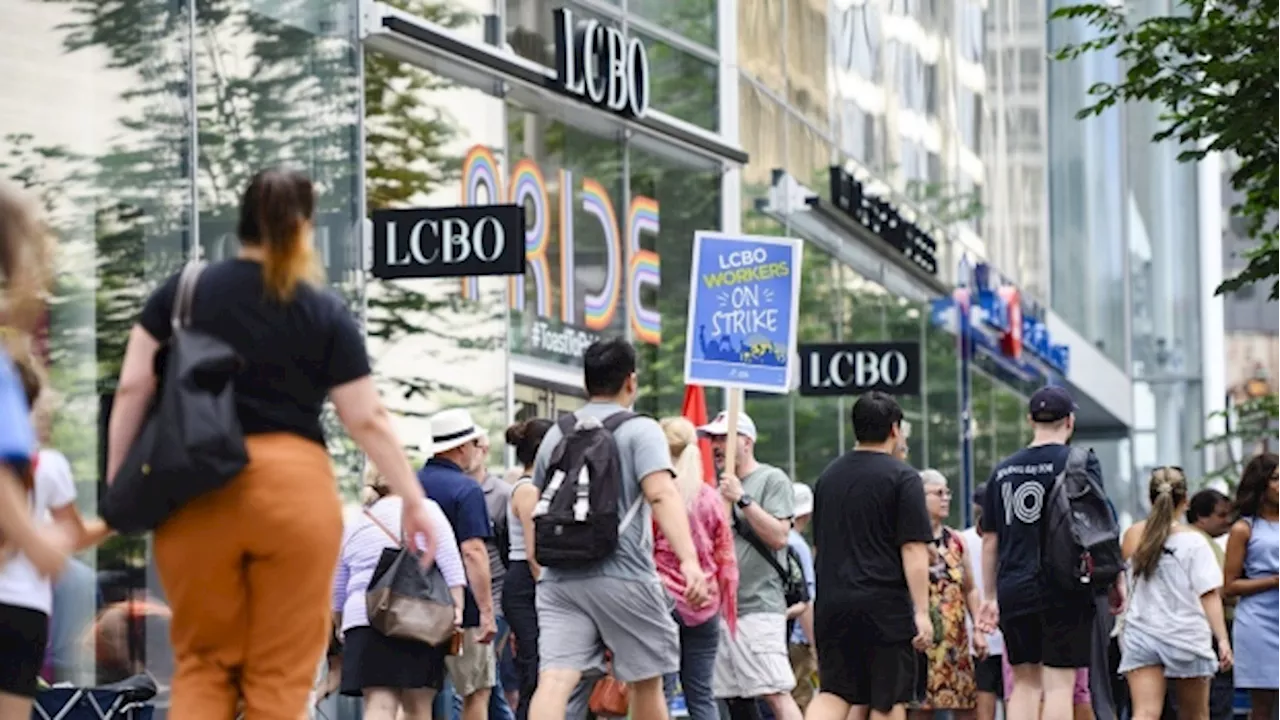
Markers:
(404, 601)
(191, 441)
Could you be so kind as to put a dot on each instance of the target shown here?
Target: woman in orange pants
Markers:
(247, 569)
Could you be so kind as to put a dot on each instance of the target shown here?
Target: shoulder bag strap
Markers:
(750, 536)
(615, 421)
(1077, 459)
(184, 297)
(566, 423)
(383, 527)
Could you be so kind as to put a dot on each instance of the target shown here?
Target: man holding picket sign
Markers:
(744, 300)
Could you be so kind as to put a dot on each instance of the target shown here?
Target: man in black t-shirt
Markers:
(1047, 636)
(871, 531)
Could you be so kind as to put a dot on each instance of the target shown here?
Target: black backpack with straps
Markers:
(1080, 544)
(578, 518)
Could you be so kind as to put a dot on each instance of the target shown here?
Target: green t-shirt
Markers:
(759, 587)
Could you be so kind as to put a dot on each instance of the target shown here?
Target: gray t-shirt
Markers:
(759, 587)
(497, 496)
(643, 451)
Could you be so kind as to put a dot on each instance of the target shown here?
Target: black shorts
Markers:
(24, 636)
(988, 675)
(857, 667)
(1053, 637)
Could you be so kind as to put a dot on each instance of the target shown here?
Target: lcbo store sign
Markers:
(596, 63)
(448, 242)
(857, 368)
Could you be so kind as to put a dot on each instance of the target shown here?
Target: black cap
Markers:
(1051, 404)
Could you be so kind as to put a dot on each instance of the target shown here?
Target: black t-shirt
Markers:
(866, 506)
(293, 352)
(1013, 509)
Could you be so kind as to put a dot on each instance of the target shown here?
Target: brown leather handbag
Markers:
(610, 697)
(404, 601)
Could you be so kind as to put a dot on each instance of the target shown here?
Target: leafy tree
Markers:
(1211, 67)
(1250, 427)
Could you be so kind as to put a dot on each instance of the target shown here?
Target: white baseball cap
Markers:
(804, 499)
(720, 426)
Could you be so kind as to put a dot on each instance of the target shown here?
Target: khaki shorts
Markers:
(754, 663)
(475, 668)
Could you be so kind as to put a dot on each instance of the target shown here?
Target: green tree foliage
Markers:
(1212, 67)
(1250, 428)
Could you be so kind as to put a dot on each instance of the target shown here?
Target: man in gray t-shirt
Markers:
(754, 663)
(497, 496)
(618, 604)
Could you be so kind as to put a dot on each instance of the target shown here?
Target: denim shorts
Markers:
(1139, 650)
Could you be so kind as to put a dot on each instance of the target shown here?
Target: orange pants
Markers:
(248, 572)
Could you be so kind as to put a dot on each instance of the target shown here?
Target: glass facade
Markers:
(1123, 223)
(908, 108)
(942, 106)
(1087, 217)
(159, 119)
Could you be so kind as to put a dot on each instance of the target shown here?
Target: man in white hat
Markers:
(456, 447)
(754, 664)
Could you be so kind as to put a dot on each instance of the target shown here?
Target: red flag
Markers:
(695, 409)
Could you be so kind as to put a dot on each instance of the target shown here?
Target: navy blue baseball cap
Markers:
(1051, 404)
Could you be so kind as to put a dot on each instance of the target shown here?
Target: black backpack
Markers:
(576, 521)
(1080, 549)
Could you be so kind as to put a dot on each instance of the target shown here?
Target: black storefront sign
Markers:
(856, 368)
(448, 242)
(883, 220)
(598, 64)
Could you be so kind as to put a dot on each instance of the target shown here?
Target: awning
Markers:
(494, 70)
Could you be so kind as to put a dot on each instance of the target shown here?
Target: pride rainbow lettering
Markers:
(626, 267)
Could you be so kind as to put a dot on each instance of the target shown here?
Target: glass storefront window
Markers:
(681, 201)
(817, 420)
(693, 19)
(119, 183)
(682, 84)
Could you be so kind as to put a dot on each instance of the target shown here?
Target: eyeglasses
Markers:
(944, 494)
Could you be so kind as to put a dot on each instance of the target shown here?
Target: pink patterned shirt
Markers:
(713, 539)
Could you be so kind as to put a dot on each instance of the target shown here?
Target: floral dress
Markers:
(949, 680)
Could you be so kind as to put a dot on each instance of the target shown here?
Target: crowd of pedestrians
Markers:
(606, 573)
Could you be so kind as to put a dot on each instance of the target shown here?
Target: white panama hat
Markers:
(451, 428)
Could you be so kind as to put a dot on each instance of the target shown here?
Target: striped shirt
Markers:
(362, 546)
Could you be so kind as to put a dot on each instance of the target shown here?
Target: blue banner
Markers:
(744, 294)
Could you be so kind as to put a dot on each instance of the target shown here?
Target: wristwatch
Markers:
(744, 501)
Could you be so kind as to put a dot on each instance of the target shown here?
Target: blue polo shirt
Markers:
(462, 500)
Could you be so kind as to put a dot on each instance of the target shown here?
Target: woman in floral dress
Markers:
(947, 667)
